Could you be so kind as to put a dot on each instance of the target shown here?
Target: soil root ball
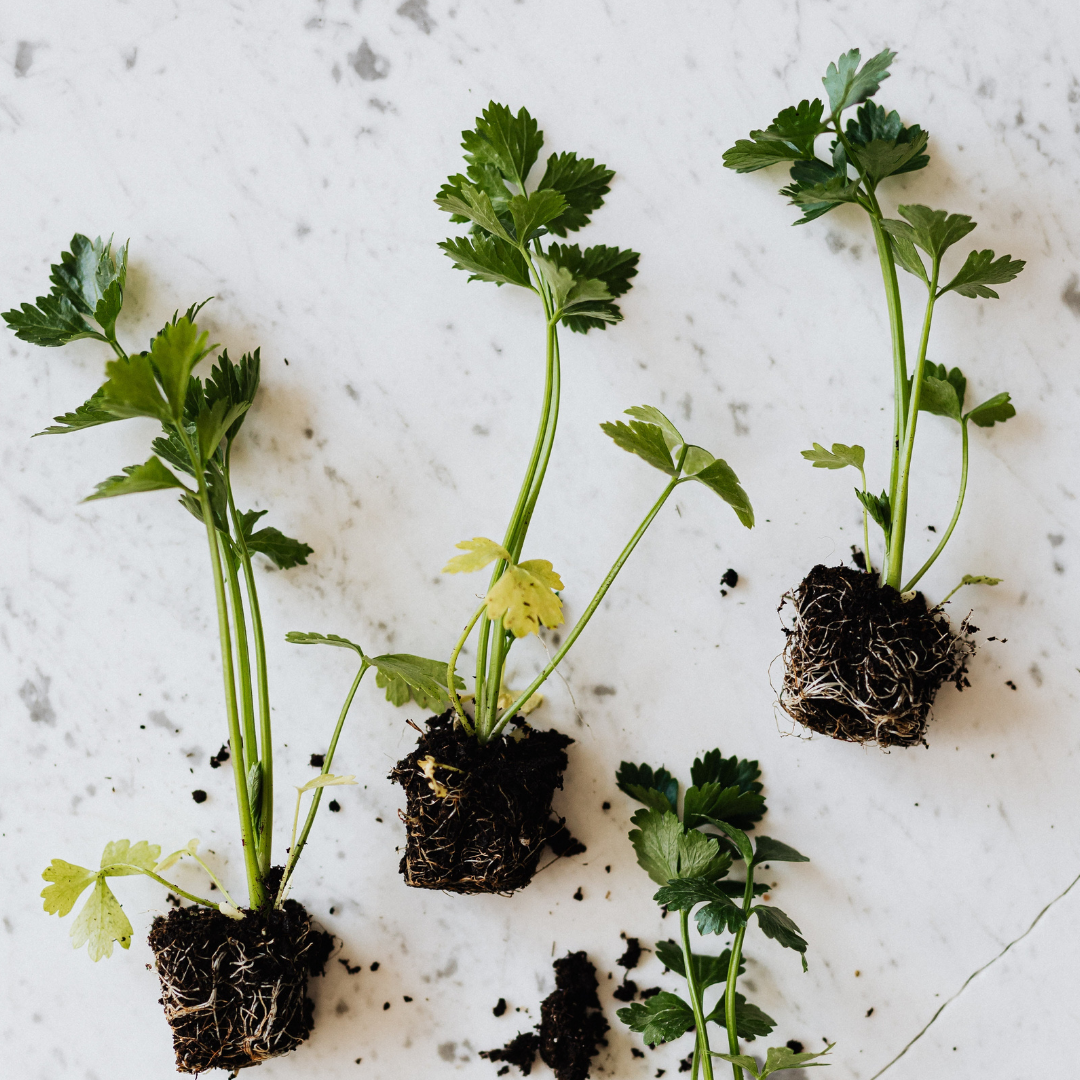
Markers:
(235, 992)
(477, 817)
(863, 664)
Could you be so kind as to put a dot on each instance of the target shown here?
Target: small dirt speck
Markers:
(605, 806)
(579, 895)
(636, 1052)
(386, 1005)
(316, 761)
(794, 1046)
(375, 966)
(1010, 684)
(333, 806)
(500, 1007)
(199, 795)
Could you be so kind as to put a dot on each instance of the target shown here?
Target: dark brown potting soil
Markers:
(862, 664)
(478, 817)
(235, 991)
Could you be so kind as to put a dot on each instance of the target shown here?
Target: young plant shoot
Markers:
(478, 802)
(865, 657)
(233, 973)
(691, 867)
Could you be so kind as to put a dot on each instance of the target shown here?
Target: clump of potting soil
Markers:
(235, 991)
(863, 664)
(479, 816)
(571, 1028)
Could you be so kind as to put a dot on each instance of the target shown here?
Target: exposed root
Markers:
(862, 664)
(477, 817)
(235, 993)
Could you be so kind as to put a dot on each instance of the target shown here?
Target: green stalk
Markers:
(866, 526)
(895, 566)
(266, 742)
(956, 513)
(298, 846)
(256, 893)
(701, 1047)
(593, 605)
(132, 869)
(733, 974)
(451, 669)
(247, 702)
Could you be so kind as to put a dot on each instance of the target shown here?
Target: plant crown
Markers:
(691, 867)
(871, 147)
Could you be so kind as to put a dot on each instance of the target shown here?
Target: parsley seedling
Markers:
(200, 421)
(691, 867)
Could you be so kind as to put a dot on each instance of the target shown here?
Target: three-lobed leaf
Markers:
(840, 457)
(525, 597)
(611, 265)
(511, 143)
(662, 1018)
(766, 849)
(750, 1021)
(935, 231)
(848, 84)
(653, 787)
(777, 1059)
(480, 551)
(533, 212)
(980, 271)
(489, 258)
(101, 922)
(582, 183)
(405, 676)
(132, 389)
(656, 842)
(790, 137)
(995, 411)
(712, 800)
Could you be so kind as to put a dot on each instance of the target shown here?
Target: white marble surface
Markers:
(284, 157)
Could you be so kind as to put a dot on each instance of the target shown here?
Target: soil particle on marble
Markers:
(862, 664)
(333, 806)
(520, 1051)
(235, 992)
(478, 817)
(625, 991)
(652, 991)
(199, 795)
(794, 1046)
(687, 1063)
(729, 580)
(219, 759)
(316, 761)
(632, 956)
(500, 1007)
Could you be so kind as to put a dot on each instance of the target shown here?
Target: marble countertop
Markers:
(283, 158)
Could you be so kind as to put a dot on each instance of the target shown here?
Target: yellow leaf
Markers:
(326, 780)
(481, 551)
(543, 570)
(524, 600)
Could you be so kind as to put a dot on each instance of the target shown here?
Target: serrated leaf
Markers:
(89, 414)
(908, 258)
(487, 258)
(716, 801)
(213, 422)
(150, 476)
(721, 478)
(480, 552)
(840, 457)
(132, 389)
(997, 410)
(790, 137)
(710, 970)
(777, 925)
(472, 203)
(68, 884)
(524, 598)
(228, 381)
(174, 353)
(612, 266)
(742, 1060)
(871, 122)
(736, 836)
(654, 787)
(532, 212)
(719, 917)
(660, 1019)
(326, 780)
(766, 849)
(85, 273)
(954, 376)
(847, 84)
(980, 579)
(645, 440)
(700, 856)
(283, 551)
(582, 183)
(656, 841)
(651, 415)
(101, 922)
(750, 1021)
(405, 676)
(51, 322)
(299, 637)
(510, 143)
(886, 157)
(939, 398)
(780, 1058)
(815, 176)
(140, 854)
(713, 768)
(685, 893)
(877, 506)
(935, 231)
(980, 271)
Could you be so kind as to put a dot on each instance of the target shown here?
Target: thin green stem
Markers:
(451, 669)
(730, 1019)
(266, 742)
(593, 605)
(243, 659)
(866, 526)
(701, 1046)
(297, 845)
(213, 877)
(956, 513)
(895, 567)
(256, 893)
(169, 885)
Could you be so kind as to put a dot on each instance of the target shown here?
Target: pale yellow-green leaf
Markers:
(326, 780)
(481, 551)
(100, 923)
(68, 882)
(191, 848)
(542, 569)
(124, 851)
(524, 600)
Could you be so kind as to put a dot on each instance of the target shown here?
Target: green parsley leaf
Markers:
(90, 413)
(935, 231)
(299, 637)
(790, 137)
(939, 397)
(710, 970)
(653, 787)
(474, 204)
(532, 212)
(213, 422)
(234, 383)
(68, 884)
(174, 352)
(405, 676)
(717, 475)
(660, 1019)
(908, 258)
(656, 841)
(818, 187)
(150, 476)
(872, 123)
(510, 143)
(954, 376)
(766, 849)
(736, 836)
(847, 84)
(700, 856)
(877, 506)
(750, 1021)
(840, 457)
(101, 922)
(283, 551)
(995, 411)
(782, 1057)
(886, 157)
(141, 854)
(651, 415)
(720, 912)
(980, 271)
(132, 389)
(54, 321)
(714, 768)
(645, 440)
(744, 1061)
(779, 926)
(582, 183)
(612, 266)
(489, 258)
(715, 801)
(980, 579)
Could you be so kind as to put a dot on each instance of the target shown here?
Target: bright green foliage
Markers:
(778, 1059)
(132, 389)
(873, 145)
(150, 476)
(583, 185)
(508, 142)
(488, 258)
(90, 413)
(281, 550)
(692, 867)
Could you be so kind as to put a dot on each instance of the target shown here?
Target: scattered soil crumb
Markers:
(520, 1051)
(317, 761)
(579, 895)
(626, 991)
(352, 969)
(219, 759)
(687, 1063)
(729, 579)
(1009, 683)
(635, 1052)
(333, 806)
(652, 991)
(794, 1046)
(632, 956)
(605, 806)
(500, 1007)
(199, 795)
(375, 966)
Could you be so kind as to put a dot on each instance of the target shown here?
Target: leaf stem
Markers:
(730, 1019)
(168, 884)
(701, 1044)
(297, 845)
(895, 566)
(451, 669)
(243, 660)
(593, 605)
(866, 525)
(956, 513)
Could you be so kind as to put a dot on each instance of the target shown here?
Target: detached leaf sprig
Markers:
(873, 146)
(692, 867)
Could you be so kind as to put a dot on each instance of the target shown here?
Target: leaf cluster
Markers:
(655, 439)
(507, 220)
